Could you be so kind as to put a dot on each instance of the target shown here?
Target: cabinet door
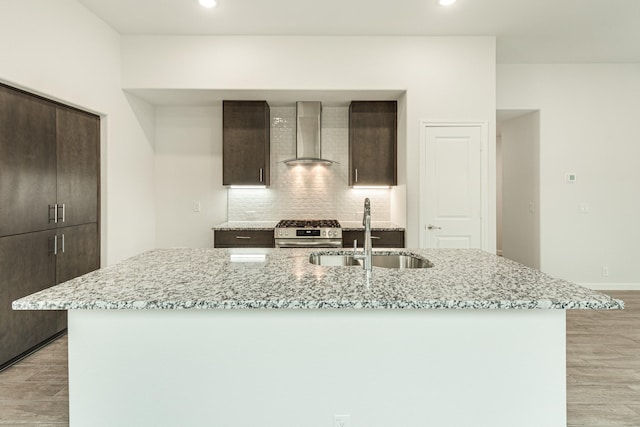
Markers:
(245, 146)
(81, 251)
(27, 264)
(79, 255)
(373, 143)
(27, 162)
(78, 147)
(243, 239)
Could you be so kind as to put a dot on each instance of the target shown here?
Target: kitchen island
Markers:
(246, 337)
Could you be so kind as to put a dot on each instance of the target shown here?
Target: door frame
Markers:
(484, 174)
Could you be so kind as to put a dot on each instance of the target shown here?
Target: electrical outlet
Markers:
(341, 420)
(605, 271)
(583, 207)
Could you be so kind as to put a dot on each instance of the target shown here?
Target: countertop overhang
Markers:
(284, 279)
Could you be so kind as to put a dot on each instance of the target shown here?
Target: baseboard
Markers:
(612, 286)
(32, 350)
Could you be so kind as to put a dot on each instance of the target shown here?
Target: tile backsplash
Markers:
(308, 191)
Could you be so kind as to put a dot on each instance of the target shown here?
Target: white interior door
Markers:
(451, 187)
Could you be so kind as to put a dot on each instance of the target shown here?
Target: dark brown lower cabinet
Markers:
(243, 239)
(32, 262)
(379, 239)
(81, 251)
(80, 256)
(28, 265)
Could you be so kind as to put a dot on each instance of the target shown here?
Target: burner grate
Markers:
(308, 223)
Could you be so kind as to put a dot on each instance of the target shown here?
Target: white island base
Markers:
(299, 368)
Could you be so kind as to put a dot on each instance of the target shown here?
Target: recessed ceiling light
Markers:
(446, 2)
(208, 3)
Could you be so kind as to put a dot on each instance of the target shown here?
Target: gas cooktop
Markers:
(308, 223)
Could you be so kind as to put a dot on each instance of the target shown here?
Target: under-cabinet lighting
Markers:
(371, 187)
(247, 187)
(446, 2)
(208, 3)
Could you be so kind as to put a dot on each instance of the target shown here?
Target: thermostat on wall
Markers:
(571, 178)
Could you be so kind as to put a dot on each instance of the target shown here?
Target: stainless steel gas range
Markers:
(317, 233)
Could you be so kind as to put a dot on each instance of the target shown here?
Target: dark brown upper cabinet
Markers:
(27, 162)
(49, 164)
(373, 143)
(245, 143)
(78, 136)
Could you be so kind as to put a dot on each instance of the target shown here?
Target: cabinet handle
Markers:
(53, 245)
(356, 174)
(63, 241)
(53, 213)
(261, 175)
(63, 209)
(375, 237)
(243, 237)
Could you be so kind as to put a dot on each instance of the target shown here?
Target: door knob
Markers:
(433, 227)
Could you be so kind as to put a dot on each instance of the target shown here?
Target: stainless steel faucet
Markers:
(367, 252)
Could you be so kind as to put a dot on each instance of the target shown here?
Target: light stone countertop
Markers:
(284, 279)
(270, 225)
(375, 226)
(246, 225)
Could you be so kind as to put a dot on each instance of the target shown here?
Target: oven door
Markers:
(308, 243)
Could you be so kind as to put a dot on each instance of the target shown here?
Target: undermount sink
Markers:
(384, 260)
(400, 261)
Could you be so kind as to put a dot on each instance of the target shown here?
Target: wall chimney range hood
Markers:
(308, 143)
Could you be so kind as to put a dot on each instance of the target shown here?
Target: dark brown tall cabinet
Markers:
(49, 204)
(373, 143)
(245, 143)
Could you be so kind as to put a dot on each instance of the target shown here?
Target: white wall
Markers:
(499, 193)
(588, 125)
(62, 51)
(188, 170)
(520, 189)
(445, 79)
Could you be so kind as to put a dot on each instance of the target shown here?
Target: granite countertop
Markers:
(246, 225)
(270, 225)
(284, 278)
(375, 226)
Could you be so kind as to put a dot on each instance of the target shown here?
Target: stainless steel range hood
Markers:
(308, 142)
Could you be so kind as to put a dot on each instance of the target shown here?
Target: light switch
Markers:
(197, 207)
(571, 177)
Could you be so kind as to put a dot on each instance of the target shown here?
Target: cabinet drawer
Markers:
(379, 239)
(243, 239)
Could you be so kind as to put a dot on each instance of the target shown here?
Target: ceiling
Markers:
(527, 31)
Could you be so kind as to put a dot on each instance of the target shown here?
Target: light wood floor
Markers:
(603, 374)
(603, 365)
(35, 391)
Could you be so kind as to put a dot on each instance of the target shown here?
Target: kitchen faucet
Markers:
(367, 252)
